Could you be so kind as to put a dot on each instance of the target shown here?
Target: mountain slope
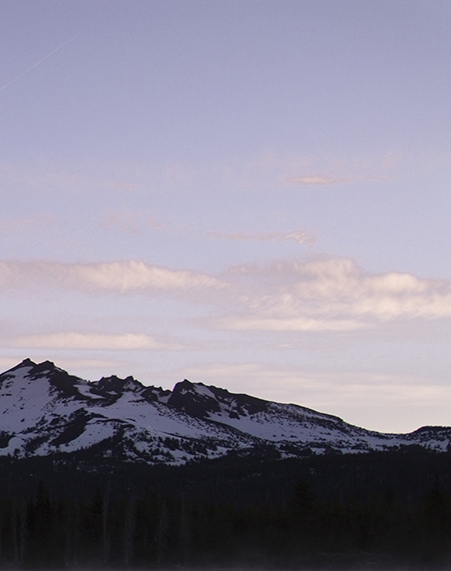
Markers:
(44, 411)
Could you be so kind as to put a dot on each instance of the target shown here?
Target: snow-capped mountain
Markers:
(44, 410)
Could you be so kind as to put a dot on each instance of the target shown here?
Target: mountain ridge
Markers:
(44, 411)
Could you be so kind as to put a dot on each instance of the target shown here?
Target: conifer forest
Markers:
(376, 511)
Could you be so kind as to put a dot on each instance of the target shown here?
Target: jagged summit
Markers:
(44, 411)
(29, 363)
(25, 363)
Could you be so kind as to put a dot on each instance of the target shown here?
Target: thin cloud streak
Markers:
(298, 236)
(317, 180)
(323, 294)
(259, 172)
(323, 180)
(109, 277)
(94, 342)
(302, 324)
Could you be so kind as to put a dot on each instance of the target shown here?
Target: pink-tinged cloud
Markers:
(298, 236)
(93, 342)
(330, 294)
(323, 180)
(247, 323)
(321, 295)
(128, 276)
(132, 276)
(317, 180)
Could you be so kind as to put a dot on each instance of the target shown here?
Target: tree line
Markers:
(155, 531)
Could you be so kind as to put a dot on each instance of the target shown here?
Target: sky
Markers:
(251, 194)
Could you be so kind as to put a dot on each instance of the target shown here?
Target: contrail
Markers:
(40, 61)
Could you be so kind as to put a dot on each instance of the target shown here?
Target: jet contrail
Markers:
(40, 61)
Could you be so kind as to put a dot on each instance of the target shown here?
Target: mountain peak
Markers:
(184, 385)
(195, 399)
(117, 385)
(37, 367)
(45, 366)
(44, 411)
(25, 363)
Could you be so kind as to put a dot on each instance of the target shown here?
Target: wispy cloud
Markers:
(317, 180)
(128, 276)
(323, 180)
(261, 172)
(331, 294)
(264, 323)
(298, 236)
(128, 221)
(321, 295)
(93, 342)
(317, 171)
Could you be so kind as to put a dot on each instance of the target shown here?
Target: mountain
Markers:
(45, 411)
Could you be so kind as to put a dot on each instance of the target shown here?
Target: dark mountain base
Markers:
(258, 477)
(352, 511)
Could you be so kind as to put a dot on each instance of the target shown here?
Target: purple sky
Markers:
(249, 194)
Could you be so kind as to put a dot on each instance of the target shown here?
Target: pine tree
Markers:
(128, 532)
(162, 535)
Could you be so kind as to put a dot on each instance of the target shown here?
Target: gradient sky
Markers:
(249, 194)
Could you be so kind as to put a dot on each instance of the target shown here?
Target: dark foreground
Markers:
(374, 511)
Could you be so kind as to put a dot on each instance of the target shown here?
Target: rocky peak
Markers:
(117, 385)
(195, 399)
(44, 410)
